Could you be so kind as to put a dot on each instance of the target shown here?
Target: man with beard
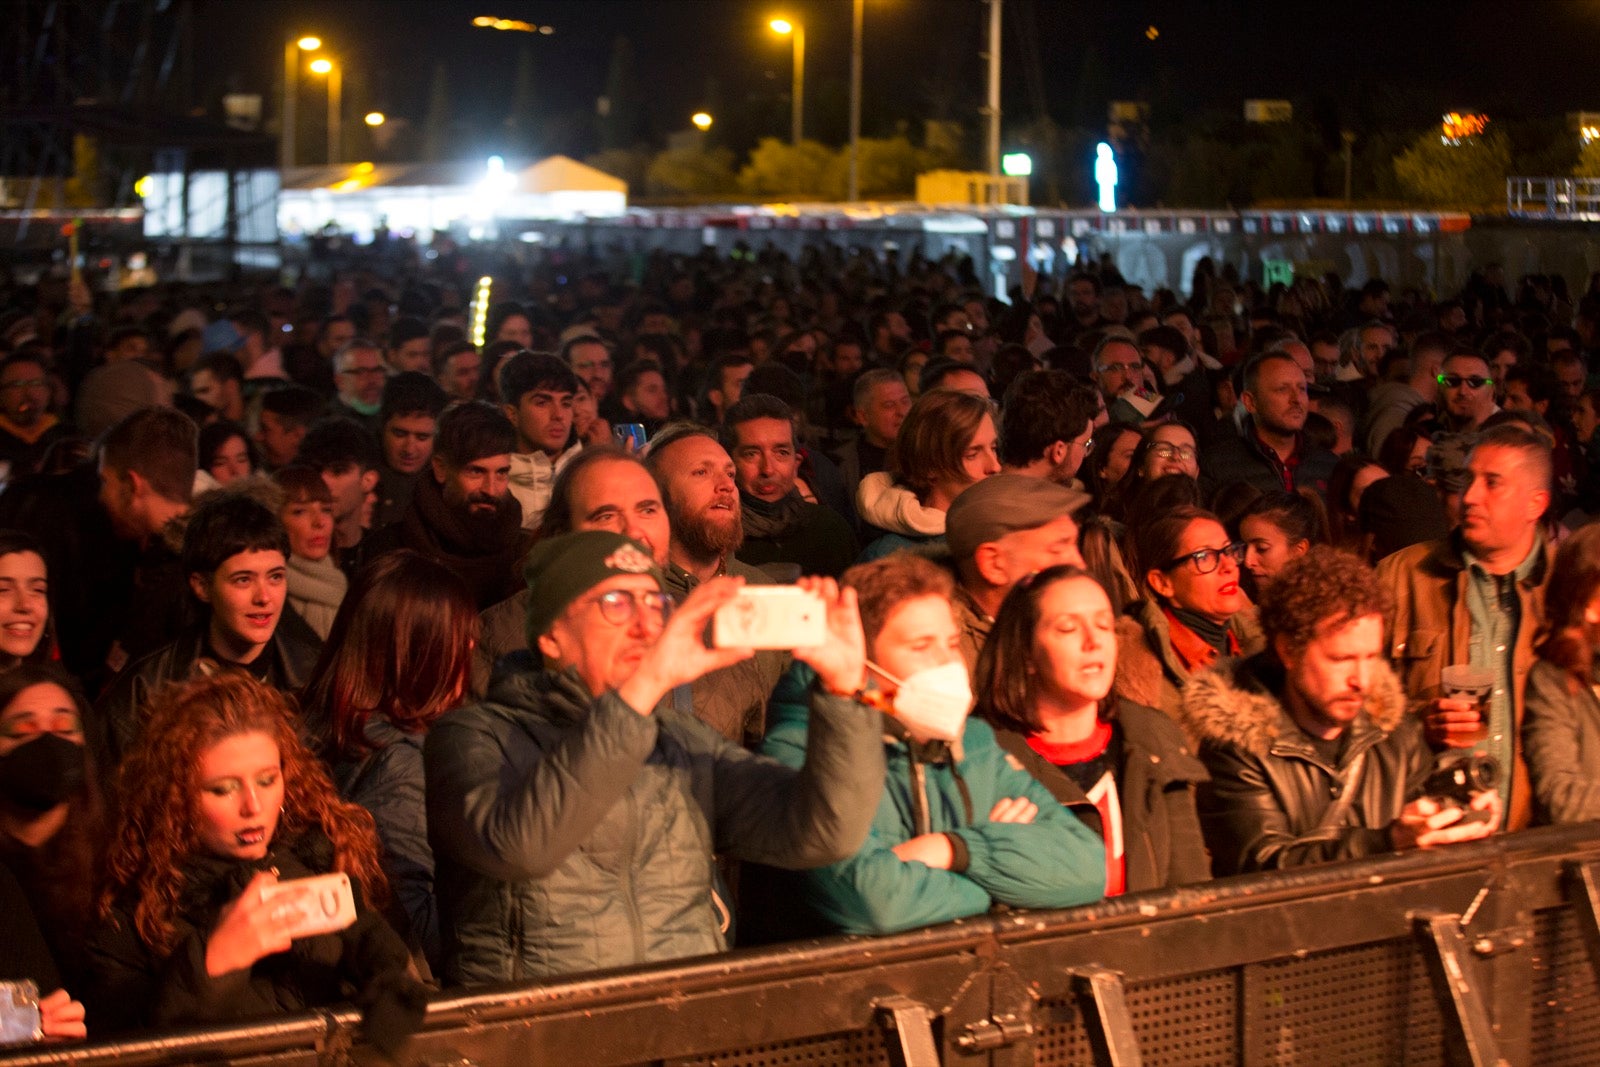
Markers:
(1466, 385)
(1083, 293)
(1121, 374)
(1312, 756)
(462, 513)
(699, 485)
(782, 530)
(1271, 453)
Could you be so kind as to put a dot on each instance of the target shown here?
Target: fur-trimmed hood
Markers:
(1233, 703)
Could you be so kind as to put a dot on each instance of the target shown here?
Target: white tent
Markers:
(424, 197)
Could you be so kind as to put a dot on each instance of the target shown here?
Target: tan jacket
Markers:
(1431, 628)
(1149, 672)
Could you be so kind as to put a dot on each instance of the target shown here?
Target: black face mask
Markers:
(42, 773)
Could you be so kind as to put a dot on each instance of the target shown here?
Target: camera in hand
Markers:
(1457, 775)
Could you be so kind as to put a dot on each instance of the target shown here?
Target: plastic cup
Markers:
(1473, 684)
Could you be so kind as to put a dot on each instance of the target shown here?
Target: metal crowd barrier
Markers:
(1476, 955)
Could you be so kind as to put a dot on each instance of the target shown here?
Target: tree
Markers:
(887, 170)
(778, 168)
(691, 171)
(1466, 176)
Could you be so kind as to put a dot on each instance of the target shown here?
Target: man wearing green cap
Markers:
(574, 814)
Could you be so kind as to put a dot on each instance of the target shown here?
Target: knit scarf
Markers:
(316, 589)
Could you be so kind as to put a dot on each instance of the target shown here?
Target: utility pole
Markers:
(992, 152)
(855, 100)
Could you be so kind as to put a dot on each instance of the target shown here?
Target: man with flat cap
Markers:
(1000, 530)
(574, 814)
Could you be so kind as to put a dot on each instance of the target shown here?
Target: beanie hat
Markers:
(561, 569)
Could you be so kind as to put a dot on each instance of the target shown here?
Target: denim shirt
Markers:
(1496, 614)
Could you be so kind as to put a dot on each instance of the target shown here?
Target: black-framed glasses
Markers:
(620, 606)
(1456, 381)
(1165, 450)
(1207, 560)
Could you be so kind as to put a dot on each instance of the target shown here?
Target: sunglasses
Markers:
(1209, 559)
(1456, 381)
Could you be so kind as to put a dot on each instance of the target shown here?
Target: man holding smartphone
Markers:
(574, 814)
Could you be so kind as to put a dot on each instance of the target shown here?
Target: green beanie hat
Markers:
(561, 569)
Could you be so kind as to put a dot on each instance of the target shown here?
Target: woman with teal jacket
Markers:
(960, 825)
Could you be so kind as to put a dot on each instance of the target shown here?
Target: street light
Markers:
(329, 69)
(784, 28)
(489, 22)
(701, 120)
(375, 118)
(291, 66)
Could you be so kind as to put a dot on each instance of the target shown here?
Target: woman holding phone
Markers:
(221, 803)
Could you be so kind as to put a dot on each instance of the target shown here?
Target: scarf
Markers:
(1212, 633)
(770, 521)
(316, 589)
(32, 434)
(482, 552)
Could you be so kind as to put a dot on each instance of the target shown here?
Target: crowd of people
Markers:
(1119, 591)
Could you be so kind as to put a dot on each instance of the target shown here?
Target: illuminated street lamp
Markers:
(291, 66)
(785, 28)
(375, 118)
(701, 120)
(331, 70)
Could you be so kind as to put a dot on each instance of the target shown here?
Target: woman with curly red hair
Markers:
(220, 800)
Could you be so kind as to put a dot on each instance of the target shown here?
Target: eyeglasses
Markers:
(1166, 451)
(1131, 368)
(1088, 446)
(1456, 381)
(621, 606)
(25, 383)
(1209, 559)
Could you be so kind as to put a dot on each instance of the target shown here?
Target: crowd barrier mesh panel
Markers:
(1350, 1007)
(856, 1048)
(1190, 1021)
(1565, 1002)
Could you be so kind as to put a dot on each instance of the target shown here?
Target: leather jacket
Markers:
(1271, 790)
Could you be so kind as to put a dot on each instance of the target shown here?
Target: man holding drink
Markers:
(1475, 600)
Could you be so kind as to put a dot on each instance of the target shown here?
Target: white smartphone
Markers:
(771, 616)
(322, 904)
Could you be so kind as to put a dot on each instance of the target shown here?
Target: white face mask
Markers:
(933, 703)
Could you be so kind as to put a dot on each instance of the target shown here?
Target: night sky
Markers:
(1396, 63)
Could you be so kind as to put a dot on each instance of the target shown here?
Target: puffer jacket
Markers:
(1561, 738)
(388, 783)
(1053, 862)
(893, 518)
(133, 987)
(1270, 789)
(1156, 783)
(571, 833)
(1431, 628)
(1149, 672)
